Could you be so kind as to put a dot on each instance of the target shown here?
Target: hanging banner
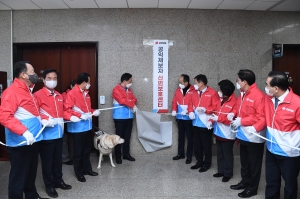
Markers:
(160, 76)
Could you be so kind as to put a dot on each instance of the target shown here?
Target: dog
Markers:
(105, 144)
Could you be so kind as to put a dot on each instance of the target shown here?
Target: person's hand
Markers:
(200, 110)
(230, 116)
(209, 125)
(134, 109)
(29, 137)
(184, 112)
(214, 117)
(174, 113)
(96, 113)
(49, 123)
(74, 119)
(192, 115)
(236, 123)
(84, 116)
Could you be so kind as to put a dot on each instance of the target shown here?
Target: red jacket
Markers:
(49, 107)
(17, 103)
(64, 94)
(208, 100)
(76, 98)
(180, 99)
(227, 107)
(283, 125)
(251, 108)
(124, 97)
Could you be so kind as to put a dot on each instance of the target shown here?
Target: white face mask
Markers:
(51, 84)
(87, 86)
(181, 86)
(196, 87)
(129, 85)
(268, 92)
(220, 94)
(238, 86)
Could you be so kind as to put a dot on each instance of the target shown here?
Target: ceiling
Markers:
(262, 5)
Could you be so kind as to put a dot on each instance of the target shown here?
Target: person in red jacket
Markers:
(180, 103)
(77, 109)
(250, 121)
(283, 130)
(225, 138)
(125, 103)
(202, 105)
(51, 110)
(21, 119)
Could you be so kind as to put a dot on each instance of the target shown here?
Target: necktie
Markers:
(276, 102)
(200, 94)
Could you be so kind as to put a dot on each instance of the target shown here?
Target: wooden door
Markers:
(290, 63)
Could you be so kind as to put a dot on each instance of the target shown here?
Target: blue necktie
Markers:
(276, 102)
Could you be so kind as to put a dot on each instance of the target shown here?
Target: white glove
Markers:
(209, 125)
(96, 113)
(49, 123)
(250, 129)
(230, 116)
(184, 112)
(45, 123)
(29, 137)
(236, 123)
(74, 119)
(214, 117)
(192, 115)
(53, 122)
(174, 113)
(200, 110)
(84, 116)
(134, 109)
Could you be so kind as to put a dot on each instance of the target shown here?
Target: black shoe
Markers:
(188, 161)
(246, 194)
(70, 162)
(238, 186)
(51, 192)
(81, 178)
(128, 157)
(177, 157)
(63, 186)
(225, 179)
(196, 166)
(216, 175)
(119, 161)
(203, 169)
(91, 173)
(41, 198)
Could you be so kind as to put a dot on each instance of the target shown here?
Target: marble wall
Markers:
(214, 42)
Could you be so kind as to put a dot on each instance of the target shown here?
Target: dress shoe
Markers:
(63, 186)
(216, 175)
(238, 186)
(41, 198)
(246, 194)
(70, 162)
(119, 161)
(188, 161)
(51, 192)
(225, 179)
(91, 173)
(203, 169)
(128, 157)
(178, 157)
(196, 166)
(81, 178)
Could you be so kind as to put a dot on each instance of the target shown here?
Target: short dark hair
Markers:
(82, 77)
(201, 78)
(125, 77)
(20, 67)
(247, 75)
(186, 78)
(47, 71)
(226, 87)
(279, 79)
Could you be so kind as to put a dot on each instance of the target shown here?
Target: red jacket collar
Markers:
(77, 89)
(21, 84)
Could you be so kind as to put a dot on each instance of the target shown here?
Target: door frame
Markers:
(288, 45)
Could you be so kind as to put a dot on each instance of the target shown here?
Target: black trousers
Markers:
(202, 145)
(251, 155)
(277, 167)
(50, 152)
(24, 163)
(123, 129)
(82, 148)
(225, 157)
(185, 127)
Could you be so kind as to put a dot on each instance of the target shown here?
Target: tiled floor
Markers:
(148, 177)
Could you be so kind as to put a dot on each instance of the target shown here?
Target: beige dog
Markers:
(105, 143)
